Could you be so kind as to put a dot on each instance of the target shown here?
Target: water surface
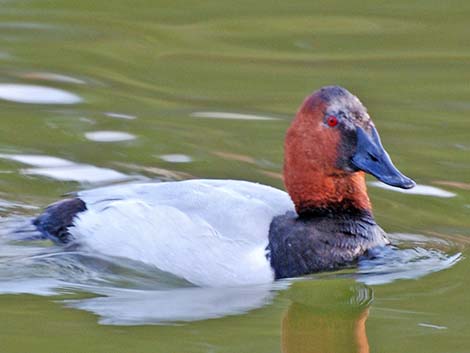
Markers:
(94, 93)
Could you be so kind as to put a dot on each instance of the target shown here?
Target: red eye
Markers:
(332, 121)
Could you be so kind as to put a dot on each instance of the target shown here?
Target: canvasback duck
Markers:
(228, 232)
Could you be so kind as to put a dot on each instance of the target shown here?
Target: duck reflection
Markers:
(326, 316)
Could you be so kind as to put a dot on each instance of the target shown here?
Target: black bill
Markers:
(372, 158)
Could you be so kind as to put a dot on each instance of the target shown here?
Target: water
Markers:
(98, 93)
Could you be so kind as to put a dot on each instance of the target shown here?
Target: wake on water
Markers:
(126, 292)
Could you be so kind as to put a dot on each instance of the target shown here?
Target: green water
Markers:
(159, 62)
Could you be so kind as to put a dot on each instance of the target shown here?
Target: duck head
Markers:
(330, 144)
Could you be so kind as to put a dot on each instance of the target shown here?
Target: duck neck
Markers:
(317, 189)
(315, 194)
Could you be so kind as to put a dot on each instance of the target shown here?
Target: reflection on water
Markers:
(26, 25)
(31, 94)
(37, 160)
(78, 172)
(207, 81)
(12, 205)
(176, 158)
(109, 136)
(120, 116)
(417, 190)
(120, 306)
(230, 116)
(132, 293)
(50, 76)
(437, 327)
(62, 169)
(326, 317)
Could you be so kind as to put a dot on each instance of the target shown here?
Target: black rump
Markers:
(55, 221)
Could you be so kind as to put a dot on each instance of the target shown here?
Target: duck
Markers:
(231, 232)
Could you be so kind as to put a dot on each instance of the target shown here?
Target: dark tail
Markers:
(55, 221)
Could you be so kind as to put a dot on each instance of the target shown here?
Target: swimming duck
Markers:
(230, 232)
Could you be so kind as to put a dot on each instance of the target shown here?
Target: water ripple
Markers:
(32, 94)
(109, 136)
(120, 116)
(62, 169)
(230, 116)
(127, 292)
(417, 190)
(176, 158)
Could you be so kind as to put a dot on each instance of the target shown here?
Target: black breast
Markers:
(299, 246)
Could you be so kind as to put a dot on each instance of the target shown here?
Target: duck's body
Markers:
(209, 232)
(226, 232)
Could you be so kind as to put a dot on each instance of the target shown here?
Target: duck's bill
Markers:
(372, 158)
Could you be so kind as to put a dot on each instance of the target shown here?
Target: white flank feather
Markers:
(210, 232)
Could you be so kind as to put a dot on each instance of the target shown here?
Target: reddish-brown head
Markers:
(329, 145)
